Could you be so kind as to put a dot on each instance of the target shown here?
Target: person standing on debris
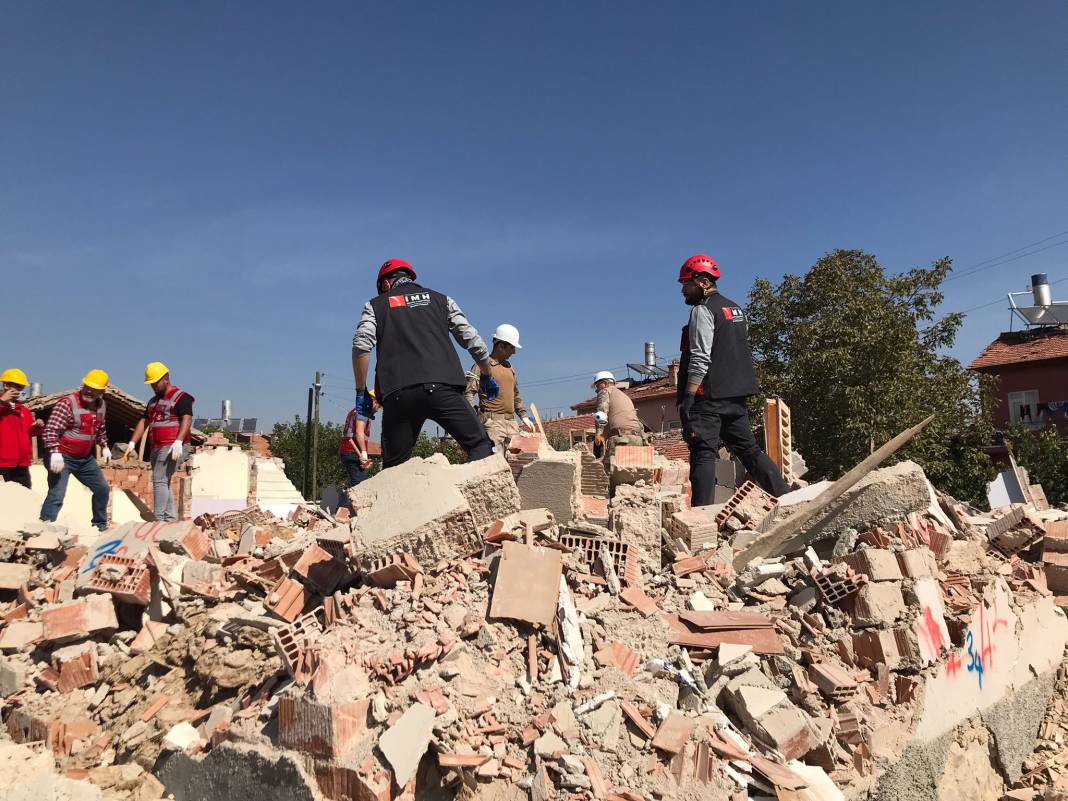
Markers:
(169, 418)
(353, 447)
(498, 415)
(716, 377)
(75, 427)
(617, 418)
(17, 429)
(418, 373)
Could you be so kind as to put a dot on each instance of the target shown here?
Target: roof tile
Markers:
(1021, 347)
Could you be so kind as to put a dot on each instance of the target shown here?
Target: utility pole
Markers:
(315, 440)
(306, 484)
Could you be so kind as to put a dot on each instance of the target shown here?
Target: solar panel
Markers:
(233, 426)
(248, 425)
(200, 422)
(646, 371)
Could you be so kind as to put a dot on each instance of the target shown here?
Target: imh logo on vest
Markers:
(415, 299)
(734, 314)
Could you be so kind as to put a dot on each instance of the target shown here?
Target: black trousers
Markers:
(405, 411)
(20, 475)
(711, 420)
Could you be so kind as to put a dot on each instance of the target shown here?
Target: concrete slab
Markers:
(404, 743)
(528, 584)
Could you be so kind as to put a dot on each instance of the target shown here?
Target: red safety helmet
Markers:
(391, 266)
(698, 265)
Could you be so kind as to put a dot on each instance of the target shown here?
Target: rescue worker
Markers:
(621, 425)
(418, 373)
(353, 447)
(716, 377)
(169, 419)
(75, 427)
(498, 416)
(17, 429)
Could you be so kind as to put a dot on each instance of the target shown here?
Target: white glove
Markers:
(363, 456)
(529, 424)
(105, 454)
(55, 463)
(176, 450)
(130, 448)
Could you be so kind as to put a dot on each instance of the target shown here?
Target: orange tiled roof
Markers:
(662, 387)
(1021, 347)
(671, 446)
(564, 424)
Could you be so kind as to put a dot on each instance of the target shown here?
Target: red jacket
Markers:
(17, 427)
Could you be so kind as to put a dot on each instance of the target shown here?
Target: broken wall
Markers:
(220, 480)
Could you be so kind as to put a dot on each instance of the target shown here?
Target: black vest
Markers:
(414, 346)
(730, 369)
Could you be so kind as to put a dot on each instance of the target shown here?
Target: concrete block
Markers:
(631, 464)
(13, 676)
(917, 563)
(17, 635)
(767, 713)
(878, 604)
(878, 564)
(13, 576)
(413, 508)
(553, 483)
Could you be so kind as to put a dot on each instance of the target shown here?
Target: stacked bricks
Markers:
(749, 508)
(594, 478)
(137, 477)
(697, 527)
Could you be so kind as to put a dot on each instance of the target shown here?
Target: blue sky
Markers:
(215, 184)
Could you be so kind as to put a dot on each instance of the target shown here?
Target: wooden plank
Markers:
(779, 537)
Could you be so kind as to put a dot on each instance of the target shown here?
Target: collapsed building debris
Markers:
(450, 638)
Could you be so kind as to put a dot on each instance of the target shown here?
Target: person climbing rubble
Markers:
(616, 421)
(169, 418)
(499, 415)
(716, 377)
(17, 429)
(75, 427)
(418, 372)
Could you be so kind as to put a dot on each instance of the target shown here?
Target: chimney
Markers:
(673, 370)
(1040, 289)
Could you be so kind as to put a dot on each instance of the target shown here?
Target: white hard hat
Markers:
(604, 375)
(508, 333)
(600, 417)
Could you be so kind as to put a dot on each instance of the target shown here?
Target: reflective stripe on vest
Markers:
(77, 441)
(163, 425)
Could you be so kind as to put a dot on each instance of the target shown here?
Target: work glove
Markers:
(365, 404)
(489, 386)
(685, 412)
(129, 449)
(55, 463)
(105, 454)
(176, 450)
(365, 461)
(529, 424)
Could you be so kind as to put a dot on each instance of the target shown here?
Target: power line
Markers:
(1000, 300)
(997, 261)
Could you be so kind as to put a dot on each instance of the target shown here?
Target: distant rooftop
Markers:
(1022, 347)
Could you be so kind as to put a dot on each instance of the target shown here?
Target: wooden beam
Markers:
(776, 540)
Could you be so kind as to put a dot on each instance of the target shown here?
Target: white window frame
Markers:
(1017, 400)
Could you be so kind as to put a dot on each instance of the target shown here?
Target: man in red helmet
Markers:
(716, 377)
(418, 374)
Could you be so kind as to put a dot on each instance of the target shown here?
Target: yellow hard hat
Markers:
(14, 376)
(154, 371)
(96, 379)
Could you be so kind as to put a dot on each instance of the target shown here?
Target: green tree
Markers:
(858, 355)
(1045, 457)
(287, 442)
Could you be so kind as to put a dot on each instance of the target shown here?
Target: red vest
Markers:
(78, 440)
(163, 424)
(349, 432)
(16, 449)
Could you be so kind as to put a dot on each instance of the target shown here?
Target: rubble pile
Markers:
(509, 631)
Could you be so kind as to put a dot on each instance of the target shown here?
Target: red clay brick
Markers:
(78, 619)
(287, 599)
